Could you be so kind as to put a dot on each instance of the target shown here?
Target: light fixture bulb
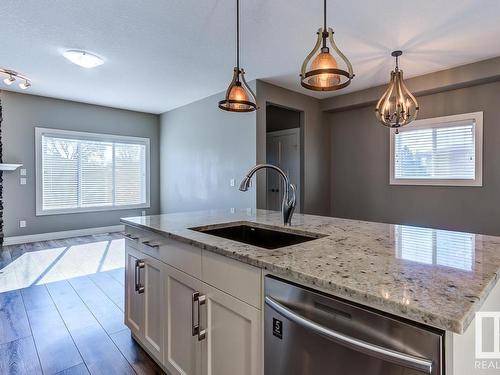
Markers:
(324, 60)
(83, 58)
(25, 85)
(9, 80)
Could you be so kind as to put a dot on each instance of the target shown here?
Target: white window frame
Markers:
(77, 135)
(442, 122)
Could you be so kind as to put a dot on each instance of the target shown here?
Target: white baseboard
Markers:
(15, 240)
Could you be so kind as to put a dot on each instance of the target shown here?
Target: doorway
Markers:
(283, 149)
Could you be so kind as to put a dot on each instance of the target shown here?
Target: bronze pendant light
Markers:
(324, 73)
(239, 96)
(397, 107)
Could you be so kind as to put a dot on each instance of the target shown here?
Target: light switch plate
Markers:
(22, 223)
(22, 181)
(232, 182)
(22, 171)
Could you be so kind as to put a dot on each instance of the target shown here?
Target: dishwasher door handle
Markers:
(389, 355)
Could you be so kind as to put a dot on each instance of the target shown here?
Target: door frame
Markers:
(292, 131)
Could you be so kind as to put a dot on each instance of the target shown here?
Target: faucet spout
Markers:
(289, 197)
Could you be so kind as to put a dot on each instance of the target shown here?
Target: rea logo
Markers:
(488, 335)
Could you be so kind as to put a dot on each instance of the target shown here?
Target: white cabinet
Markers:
(198, 314)
(232, 342)
(144, 299)
(134, 301)
(183, 352)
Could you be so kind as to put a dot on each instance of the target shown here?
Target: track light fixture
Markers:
(12, 76)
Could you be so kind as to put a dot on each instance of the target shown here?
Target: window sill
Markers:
(40, 212)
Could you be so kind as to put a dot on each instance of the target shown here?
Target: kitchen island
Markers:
(432, 277)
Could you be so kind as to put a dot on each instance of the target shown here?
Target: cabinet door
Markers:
(233, 340)
(134, 300)
(183, 351)
(154, 282)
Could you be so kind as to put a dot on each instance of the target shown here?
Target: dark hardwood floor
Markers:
(57, 323)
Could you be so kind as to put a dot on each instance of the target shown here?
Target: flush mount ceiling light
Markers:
(83, 58)
(12, 76)
(397, 107)
(324, 73)
(239, 96)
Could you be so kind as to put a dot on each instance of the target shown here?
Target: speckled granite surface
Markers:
(435, 277)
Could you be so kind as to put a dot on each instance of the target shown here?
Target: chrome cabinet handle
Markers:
(151, 244)
(196, 328)
(389, 355)
(139, 264)
(131, 236)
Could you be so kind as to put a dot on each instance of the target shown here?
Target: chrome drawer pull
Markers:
(131, 236)
(389, 355)
(139, 264)
(202, 333)
(149, 243)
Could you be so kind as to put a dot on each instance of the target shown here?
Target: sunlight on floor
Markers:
(45, 266)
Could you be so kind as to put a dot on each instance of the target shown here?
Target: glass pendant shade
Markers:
(239, 96)
(324, 61)
(320, 70)
(397, 107)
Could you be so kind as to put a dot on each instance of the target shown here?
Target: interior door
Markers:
(154, 274)
(183, 351)
(232, 341)
(134, 308)
(283, 150)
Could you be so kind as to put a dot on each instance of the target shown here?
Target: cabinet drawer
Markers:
(182, 256)
(233, 277)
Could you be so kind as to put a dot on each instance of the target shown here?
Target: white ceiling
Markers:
(161, 54)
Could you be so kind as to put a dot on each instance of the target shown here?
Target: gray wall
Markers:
(22, 113)
(202, 149)
(360, 168)
(315, 195)
(278, 118)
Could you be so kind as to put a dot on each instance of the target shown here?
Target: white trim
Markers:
(70, 134)
(15, 240)
(438, 122)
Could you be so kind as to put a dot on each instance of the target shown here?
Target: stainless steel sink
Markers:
(258, 236)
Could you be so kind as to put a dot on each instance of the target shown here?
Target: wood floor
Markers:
(61, 309)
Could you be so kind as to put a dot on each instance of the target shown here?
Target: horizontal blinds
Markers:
(436, 153)
(129, 174)
(79, 173)
(60, 173)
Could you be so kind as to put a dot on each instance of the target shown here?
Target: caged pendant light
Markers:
(239, 96)
(324, 73)
(397, 107)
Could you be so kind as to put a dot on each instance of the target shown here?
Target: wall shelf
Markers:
(9, 167)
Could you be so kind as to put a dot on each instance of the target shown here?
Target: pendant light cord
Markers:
(238, 35)
(324, 16)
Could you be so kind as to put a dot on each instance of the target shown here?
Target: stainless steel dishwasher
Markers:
(310, 333)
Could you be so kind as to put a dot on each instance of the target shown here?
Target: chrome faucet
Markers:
(289, 198)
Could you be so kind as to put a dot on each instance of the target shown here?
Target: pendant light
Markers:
(397, 107)
(324, 73)
(239, 96)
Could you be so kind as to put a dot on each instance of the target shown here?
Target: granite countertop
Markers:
(436, 277)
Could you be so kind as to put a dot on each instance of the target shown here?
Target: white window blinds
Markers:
(442, 152)
(80, 172)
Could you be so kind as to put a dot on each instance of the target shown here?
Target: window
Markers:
(438, 151)
(81, 172)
